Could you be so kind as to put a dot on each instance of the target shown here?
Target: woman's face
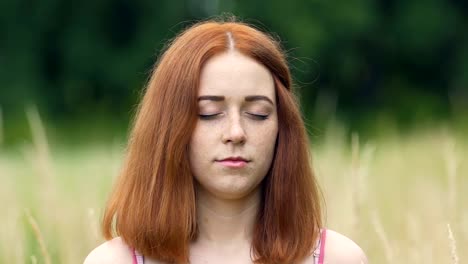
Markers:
(232, 146)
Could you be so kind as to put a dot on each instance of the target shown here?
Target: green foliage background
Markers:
(361, 61)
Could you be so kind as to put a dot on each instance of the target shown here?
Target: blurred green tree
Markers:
(354, 59)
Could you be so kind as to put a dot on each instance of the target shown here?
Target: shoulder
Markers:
(340, 249)
(113, 251)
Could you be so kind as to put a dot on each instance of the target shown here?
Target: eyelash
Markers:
(257, 117)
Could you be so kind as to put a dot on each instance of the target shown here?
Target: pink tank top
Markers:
(319, 252)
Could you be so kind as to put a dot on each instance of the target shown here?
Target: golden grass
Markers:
(39, 237)
(393, 195)
(453, 245)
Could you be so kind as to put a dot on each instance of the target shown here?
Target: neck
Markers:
(226, 221)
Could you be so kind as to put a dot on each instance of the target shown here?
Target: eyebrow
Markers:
(249, 98)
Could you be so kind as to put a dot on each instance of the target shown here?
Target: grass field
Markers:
(402, 198)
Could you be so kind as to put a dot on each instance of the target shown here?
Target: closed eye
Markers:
(254, 116)
(208, 117)
(257, 116)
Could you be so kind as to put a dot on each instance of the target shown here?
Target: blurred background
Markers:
(383, 87)
(363, 62)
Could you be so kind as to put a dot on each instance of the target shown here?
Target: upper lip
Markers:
(237, 158)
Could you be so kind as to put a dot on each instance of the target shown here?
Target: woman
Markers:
(217, 168)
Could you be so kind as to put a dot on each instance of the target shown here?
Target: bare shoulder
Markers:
(113, 251)
(340, 249)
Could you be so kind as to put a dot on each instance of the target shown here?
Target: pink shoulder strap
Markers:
(137, 257)
(323, 237)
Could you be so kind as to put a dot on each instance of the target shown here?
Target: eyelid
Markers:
(208, 116)
(212, 116)
(260, 116)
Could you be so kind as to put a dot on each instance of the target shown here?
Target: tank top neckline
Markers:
(319, 251)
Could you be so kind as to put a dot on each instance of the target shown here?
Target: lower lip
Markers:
(233, 163)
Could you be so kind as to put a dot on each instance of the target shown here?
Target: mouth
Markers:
(234, 162)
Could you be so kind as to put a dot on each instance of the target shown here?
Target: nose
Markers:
(234, 132)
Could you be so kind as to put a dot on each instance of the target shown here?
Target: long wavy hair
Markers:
(152, 206)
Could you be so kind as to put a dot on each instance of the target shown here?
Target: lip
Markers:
(234, 162)
(236, 158)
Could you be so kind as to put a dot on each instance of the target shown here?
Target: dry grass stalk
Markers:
(37, 129)
(451, 166)
(39, 237)
(41, 158)
(453, 244)
(389, 254)
(33, 259)
(40, 143)
(360, 163)
(355, 184)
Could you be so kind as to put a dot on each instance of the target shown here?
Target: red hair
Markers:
(152, 206)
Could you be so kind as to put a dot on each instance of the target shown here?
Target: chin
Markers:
(229, 193)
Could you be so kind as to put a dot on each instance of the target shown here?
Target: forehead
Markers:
(233, 74)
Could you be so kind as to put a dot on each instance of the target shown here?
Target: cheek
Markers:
(200, 145)
(264, 144)
(266, 136)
